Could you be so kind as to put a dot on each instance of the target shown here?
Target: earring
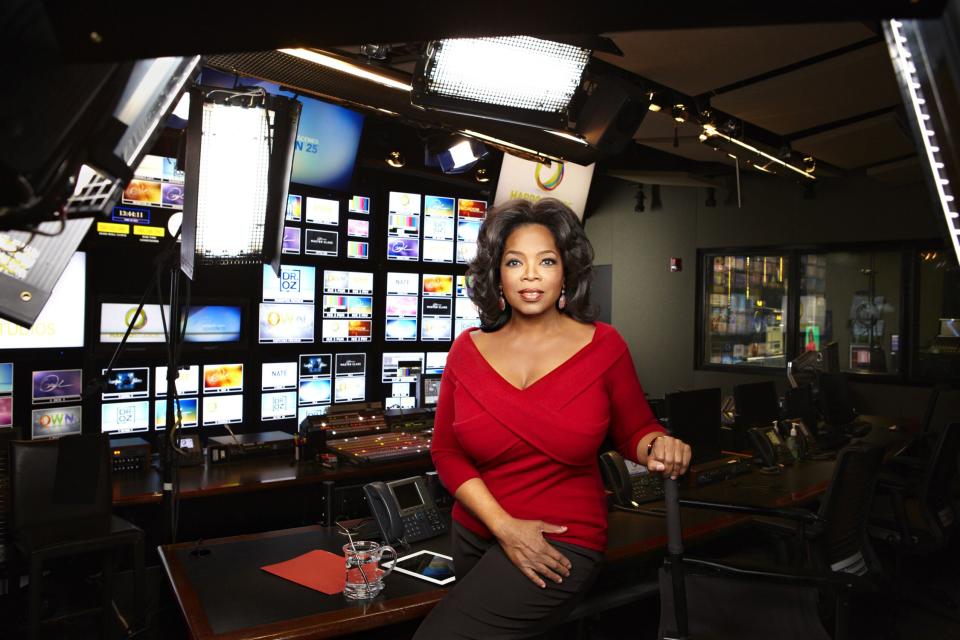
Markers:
(502, 302)
(562, 302)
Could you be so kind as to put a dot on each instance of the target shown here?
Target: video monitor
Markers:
(402, 306)
(466, 252)
(350, 389)
(296, 283)
(222, 410)
(429, 390)
(278, 406)
(462, 324)
(6, 412)
(319, 242)
(400, 330)
(407, 249)
(437, 285)
(406, 203)
(115, 317)
(188, 413)
(401, 367)
(315, 410)
(403, 283)
(283, 323)
(436, 328)
(468, 230)
(323, 211)
(358, 204)
(222, 378)
(403, 226)
(347, 306)
(187, 382)
(756, 403)
(278, 376)
(348, 282)
(294, 208)
(126, 383)
(53, 422)
(436, 362)
(60, 324)
(125, 417)
(358, 250)
(438, 206)
(351, 364)
(358, 228)
(6, 378)
(347, 330)
(61, 385)
(466, 309)
(213, 323)
(314, 391)
(438, 228)
(316, 365)
(437, 250)
(695, 419)
(437, 307)
(291, 241)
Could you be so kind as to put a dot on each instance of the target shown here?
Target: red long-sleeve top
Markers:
(536, 448)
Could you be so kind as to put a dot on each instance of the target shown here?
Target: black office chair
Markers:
(62, 506)
(702, 599)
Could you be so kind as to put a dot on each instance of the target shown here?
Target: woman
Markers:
(524, 405)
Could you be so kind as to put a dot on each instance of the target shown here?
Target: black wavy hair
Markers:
(576, 253)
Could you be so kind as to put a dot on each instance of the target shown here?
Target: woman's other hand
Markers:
(525, 546)
(670, 456)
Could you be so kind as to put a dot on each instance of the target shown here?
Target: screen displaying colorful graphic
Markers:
(57, 386)
(358, 204)
(407, 249)
(291, 240)
(296, 283)
(347, 330)
(314, 391)
(187, 382)
(126, 384)
(6, 378)
(188, 413)
(125, 417)
(355, 282)
(437, 285)
(147, 325)
(53, 422)
(286, 323)
(222, 378)
(6, 412)
(350, 389)
(316, 365)
(401, 367)
(213, 323)
(358, 228)
(294, 208)
(401, 329)
(358, 250)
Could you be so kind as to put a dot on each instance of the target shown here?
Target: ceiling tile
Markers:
(859, 145)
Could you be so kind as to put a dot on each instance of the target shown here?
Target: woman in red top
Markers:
(524, 406)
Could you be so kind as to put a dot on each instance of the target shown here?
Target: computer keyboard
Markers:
(647, 487)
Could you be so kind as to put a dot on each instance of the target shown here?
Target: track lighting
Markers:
(395, 159)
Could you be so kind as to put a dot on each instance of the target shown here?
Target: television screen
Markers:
(401, 367)
(466, 252)
(437, 285)
(316, 365)
(296, 283)
(213, 323)
(358, 250)
(350, 282)
(126, 384)
(438, 206)
(222, 410)
(436, 362)
(401, 329)
(407, 249)
(472, 208)
(358, 204)
(314, 391)
(6, 378)
(466, 309)
(431, 391)
(278, 406)
(351, 364)
(358, 228)
(436, 328)
(462, 324)
(57, 386)
(294, 208)
(6, 412)
(437, 250)
(317, 242)
(403, 226)
(125, 417)
(323, 211)
(350, 389)
(147, 326)
(402, 306)
(286, 323)
(222, 378)
(347, 330)
(437, 307)
(405, 203)
(60, 323)
(347, 306)
(188, 413)
(316, 410)
(187, 383)
(291, 240)
(278, 376)
(403, 283)
(53, 422)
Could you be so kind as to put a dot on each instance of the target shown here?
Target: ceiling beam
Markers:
(837, 124)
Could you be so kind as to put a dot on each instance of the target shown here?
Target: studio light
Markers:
(395, 159)
(679, 112)
(516, 79)
(238, 159)
(654, 101)
(481, 175)
(759, 159)
(454, 153)
(345, 66)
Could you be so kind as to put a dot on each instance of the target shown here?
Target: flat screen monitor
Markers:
(128, 383)
(429, 390)
(436, 362)
(348, 282)
(347, 330)
(695, 418)
(403, 283)
(401, 367)
(437, 285)
(188, 413)
(403, 249)
(278, 376)
(317, 410)
(6, 412)
(222, 410)
(405, 203)
(323, 211)
(350, 389)
(949, 327)
(286, 323)
(6, 378)
(314, 391)
(831, 357)
(53, 422)
(401, 330)
(278, 406)
(60, 324)
(296, 283)
(358, 228)
(213, 323)
(60, 385)
(222, 378)
(835, 399)
(316, 365)
(147, 326)
(756, 403)
(125, 417)
(187, 382)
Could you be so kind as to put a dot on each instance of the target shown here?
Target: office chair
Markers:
(61, 505)
(701, 599)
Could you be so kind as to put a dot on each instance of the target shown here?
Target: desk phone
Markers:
(404, 510)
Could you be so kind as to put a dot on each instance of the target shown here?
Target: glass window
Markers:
(746, 310)
(938, 330)
(853, 299)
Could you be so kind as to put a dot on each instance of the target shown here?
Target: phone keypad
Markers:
(421, 525)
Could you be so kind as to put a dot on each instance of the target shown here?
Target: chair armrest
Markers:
(830, 581)
(787, 513)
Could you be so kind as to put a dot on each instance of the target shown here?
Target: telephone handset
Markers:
(404, 510)
(770, 447)
(616, 478)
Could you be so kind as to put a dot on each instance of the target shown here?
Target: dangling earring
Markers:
(502, 302)
(562, 302)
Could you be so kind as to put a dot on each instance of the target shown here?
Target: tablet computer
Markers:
(426, 565)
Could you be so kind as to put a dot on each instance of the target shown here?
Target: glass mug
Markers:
(364, 573)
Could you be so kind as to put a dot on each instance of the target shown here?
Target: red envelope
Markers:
(320, 570)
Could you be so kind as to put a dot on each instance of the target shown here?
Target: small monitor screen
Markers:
(949, 328)
(125, 417)
(291, 240)
(358, 250)
(404, 202)
(401, 329)
(407, 494)
(294, 208)
(222, 410)
(315, 391)
(436, 362)
(278, 376)
(6, 412)
(350, 282)
(402, 306)
(397, 367)
(350, 389)
(126, 384)
(347, 306)
(358, 204)
(187, 383)
(316, 365)
(147, 325)
(286, 323)
(322, 211)
(321, 242)
(438, 251)
(213, 323)
(437, 285)
(351, 364)
(222, 378)
(305, 412)
(296, 283)
(278, 406)
(6, 378)
(53, 422)
(431, 390)
(403, 249)
(188, 413)
(57, 386)
(358, 228)
(436, 328)
(347, 330)
(403, 283)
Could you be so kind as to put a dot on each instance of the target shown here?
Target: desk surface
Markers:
(225, 595)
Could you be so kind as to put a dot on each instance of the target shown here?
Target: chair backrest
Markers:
(842, 543)
(60, 480)
(937, 489)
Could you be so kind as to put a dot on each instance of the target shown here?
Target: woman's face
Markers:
(531, 272)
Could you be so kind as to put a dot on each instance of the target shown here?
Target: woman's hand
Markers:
(670, 456)
(525, 546)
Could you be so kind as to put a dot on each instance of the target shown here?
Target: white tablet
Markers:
(426, 565)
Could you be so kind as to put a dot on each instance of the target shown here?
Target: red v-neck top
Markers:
(536, 448)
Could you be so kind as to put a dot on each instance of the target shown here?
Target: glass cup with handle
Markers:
(364, 572)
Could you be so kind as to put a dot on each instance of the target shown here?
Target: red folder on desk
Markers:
(319, 570)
